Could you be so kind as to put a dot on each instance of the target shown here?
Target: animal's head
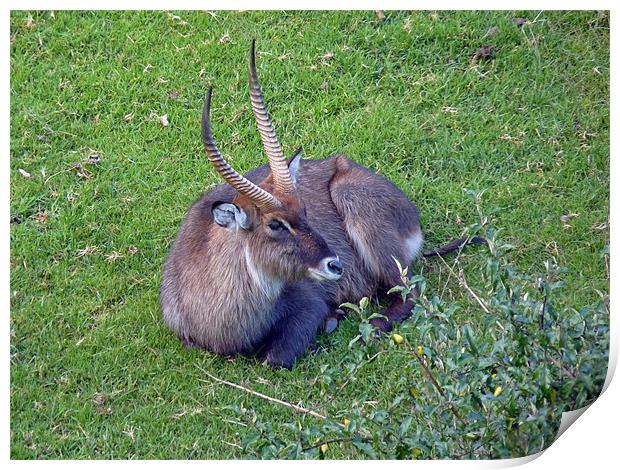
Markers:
(269, 216)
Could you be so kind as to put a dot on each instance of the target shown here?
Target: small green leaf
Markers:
(365, 448)
(404, 426)
(469, 336)
(376, 315)
(400, 268)
(354, 340)
(397, 289)
(351, 306)
(366, 330)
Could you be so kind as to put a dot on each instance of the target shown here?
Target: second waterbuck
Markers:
(261, 263)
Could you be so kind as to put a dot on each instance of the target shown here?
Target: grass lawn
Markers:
(94, 372)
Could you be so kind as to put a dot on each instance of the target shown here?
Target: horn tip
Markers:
(206, 111)
(207, 103)
(253, 53)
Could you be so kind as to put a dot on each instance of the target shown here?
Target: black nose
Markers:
(335, 266)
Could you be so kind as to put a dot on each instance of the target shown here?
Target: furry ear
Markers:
(293, 166)
(229, 216)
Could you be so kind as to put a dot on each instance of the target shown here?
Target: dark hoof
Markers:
(381, 324)
(276, 362)
(189, 343)
(330, 325)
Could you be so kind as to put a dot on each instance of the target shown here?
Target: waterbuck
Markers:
(261, 263)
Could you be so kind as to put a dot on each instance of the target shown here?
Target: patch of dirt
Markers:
(520, 22)
(484, 53)
(80, 171)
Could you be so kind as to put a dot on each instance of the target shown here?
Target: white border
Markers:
(590, 444)
(311, 5)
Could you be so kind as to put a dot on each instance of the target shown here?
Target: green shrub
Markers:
(491, 388)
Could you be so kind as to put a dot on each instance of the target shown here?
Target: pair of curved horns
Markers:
(279, 167)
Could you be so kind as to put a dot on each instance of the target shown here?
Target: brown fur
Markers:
(221, 289)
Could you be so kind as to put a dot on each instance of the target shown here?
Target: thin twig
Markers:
(51, 176)
(438, 387)
(542, 312)
(238, 423)
(463, 283)
(456, 260)
(445, 285)
(297, 408)
(561, 367)
(472, 293)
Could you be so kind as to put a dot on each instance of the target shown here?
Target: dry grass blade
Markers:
(299, 409)
(463, 283)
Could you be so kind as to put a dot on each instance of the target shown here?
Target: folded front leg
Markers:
(302, 312)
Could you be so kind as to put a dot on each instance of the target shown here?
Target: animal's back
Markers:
(365, 218)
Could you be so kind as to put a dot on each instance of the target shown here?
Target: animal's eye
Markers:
(276, 225)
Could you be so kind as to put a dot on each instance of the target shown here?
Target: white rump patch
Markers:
(413, 246)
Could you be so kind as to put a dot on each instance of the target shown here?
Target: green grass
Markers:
(94, 372)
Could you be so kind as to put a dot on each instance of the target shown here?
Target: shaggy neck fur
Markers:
(241, 307)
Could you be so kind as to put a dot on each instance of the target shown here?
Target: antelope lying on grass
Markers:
(261, 263)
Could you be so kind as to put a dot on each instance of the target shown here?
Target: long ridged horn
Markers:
(279, 168)
(259, 196)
